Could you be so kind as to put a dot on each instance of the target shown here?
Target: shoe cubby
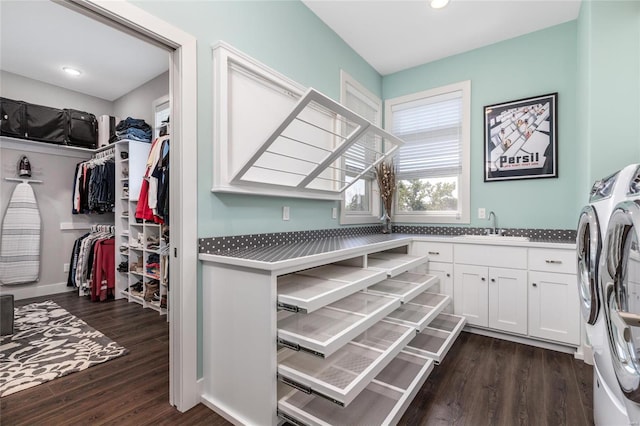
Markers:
(139, 270)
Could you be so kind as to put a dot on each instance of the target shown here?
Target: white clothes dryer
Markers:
(618, 360)
(592, 226)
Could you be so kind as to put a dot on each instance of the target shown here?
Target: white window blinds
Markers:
(432, 131)
(365, 151)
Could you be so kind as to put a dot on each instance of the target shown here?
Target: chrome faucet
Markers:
(492, 230)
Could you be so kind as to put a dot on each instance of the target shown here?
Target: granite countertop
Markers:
(274, 256)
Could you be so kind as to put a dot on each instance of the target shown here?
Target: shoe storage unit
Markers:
(341, 337)
(138, 244)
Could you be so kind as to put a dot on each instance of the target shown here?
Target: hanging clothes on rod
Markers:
(153, 201)
(92, 264)
(94, 184)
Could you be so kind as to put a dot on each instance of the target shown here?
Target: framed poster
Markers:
(520, 139)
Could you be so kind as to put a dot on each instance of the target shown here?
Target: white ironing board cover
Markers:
(20, 240)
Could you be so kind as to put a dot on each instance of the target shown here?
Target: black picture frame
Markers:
(521, 139)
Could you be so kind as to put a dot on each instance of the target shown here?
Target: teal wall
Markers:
(288, 37)
(580, 60)
(609, 76)
(533, 64)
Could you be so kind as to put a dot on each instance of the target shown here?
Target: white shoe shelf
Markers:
(136, 241)
(346, 341)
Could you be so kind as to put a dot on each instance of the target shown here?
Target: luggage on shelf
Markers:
(82, 129)
(12, 118)
(45, 124)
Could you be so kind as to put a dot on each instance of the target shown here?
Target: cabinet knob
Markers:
(483, 279)
(448, 275)
(493, 280)
(534, 284)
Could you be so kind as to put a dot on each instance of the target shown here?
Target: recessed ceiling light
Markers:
(439, 4)
(72, 71)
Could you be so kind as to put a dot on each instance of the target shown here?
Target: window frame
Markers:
(372, 215)
(463, 214)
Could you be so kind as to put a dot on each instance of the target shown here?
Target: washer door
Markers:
(588, 246)
(620, 284)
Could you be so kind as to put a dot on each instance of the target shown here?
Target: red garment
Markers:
(103, 280)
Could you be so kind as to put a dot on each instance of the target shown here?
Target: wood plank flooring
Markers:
(483, 381)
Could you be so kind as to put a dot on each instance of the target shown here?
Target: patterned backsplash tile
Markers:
(239, 242)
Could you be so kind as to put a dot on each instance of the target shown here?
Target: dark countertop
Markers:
(288, 251)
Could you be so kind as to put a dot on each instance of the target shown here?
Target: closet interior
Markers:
(104, 204)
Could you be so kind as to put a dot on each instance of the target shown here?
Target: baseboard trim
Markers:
(27, 291)
(524, 340)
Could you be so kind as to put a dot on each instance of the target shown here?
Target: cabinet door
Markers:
(508, 300)
(444, 271)
(471, 294)
(554, 311)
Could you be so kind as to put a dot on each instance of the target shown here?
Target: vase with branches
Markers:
(386, 178)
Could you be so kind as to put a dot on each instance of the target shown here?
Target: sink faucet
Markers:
(492, 230)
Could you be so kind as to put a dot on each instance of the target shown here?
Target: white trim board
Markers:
(27, 291)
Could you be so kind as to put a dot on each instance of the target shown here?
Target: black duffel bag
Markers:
(82, 129)
(12, 118)
(45, 124)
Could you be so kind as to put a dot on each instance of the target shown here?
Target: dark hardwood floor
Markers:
(483, 381)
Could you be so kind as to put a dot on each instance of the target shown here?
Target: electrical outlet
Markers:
(334, 213)
(65, 267)
(482, 213)
(285, 213)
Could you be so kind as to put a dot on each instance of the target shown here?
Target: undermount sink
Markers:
(492, 237)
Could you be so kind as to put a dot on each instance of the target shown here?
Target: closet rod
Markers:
(23, 180)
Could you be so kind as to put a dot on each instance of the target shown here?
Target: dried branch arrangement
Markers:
(386, 177)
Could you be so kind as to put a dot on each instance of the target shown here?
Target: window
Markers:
(358, 203)
(161, 111)
(433, 164)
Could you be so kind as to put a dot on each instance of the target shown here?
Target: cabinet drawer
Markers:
(436, 252)
(343, 375)
(312, 289)
(405, 286)
(499, 256)
(382, 402)
(394, 263)
(436, 339)
(421, 310)
(328, 329)
(550, 260)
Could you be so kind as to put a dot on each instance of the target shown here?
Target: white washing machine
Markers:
(616, 332)
(592, 225)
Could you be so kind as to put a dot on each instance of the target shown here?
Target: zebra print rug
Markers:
(49, 342)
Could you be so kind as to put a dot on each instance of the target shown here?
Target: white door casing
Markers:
(183, 392)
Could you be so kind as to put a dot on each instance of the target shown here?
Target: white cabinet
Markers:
(527, 291)
(471, 293)
(554, 311)
(508, 300)
(494, 295)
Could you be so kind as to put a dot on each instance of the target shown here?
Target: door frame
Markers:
(183, 342)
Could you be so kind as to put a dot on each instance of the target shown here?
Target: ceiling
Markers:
(38, 38)
(393, 35)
